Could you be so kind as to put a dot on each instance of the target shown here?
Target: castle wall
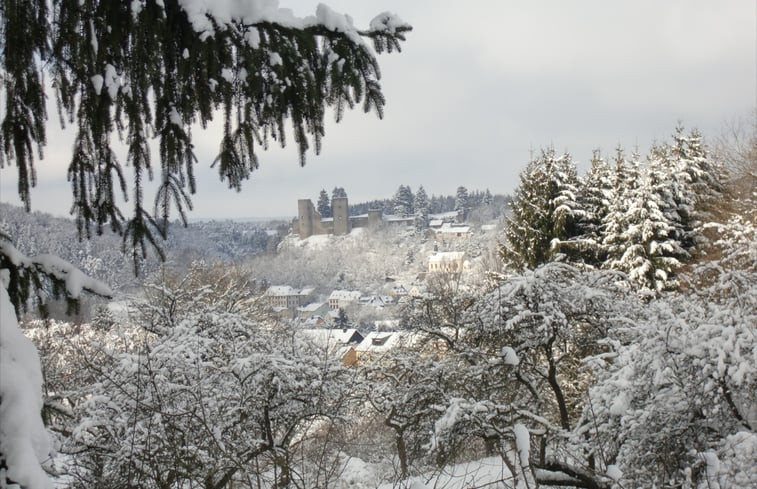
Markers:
(309, 221)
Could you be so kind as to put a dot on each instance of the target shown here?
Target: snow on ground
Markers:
(488, 472)
(323, 241)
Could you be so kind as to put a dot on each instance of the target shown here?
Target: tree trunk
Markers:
(402, 455)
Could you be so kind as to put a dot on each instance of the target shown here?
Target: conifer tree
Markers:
(462, 201)
(544, 211)
(403, 201)
(700, 184)
(625, 177)
(324, 205)
(422, 206)
(338, 193)
(595, 195)
(488, 197)
(640, 238)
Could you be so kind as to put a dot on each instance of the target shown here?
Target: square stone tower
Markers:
(306, 217)
(340, 211)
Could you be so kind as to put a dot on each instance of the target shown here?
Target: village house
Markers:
(398, 291)
(377, 344)
(313, 309)
(286, 297)
(417, 291)
(452, 232)
(446, 261)
(341, 299)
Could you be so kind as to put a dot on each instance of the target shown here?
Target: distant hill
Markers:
(101, 256)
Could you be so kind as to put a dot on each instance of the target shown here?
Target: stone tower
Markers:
(340, 211)
(305, 217)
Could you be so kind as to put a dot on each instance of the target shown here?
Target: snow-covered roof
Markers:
(281, 290)
(453, 228)
(376, 300)
(386, 324)
(446, 256)
(331, 338)
(345, 295)
(312, 307)
(307, 291)
(488, 227)
(383, 341)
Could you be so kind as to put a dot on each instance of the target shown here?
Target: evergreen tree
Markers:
(342, 320)
(403, 201)
(595, 195)
(324, 204)
(625, 178)
(153, 69)
(462, 203)
(488, 197)
(544, 212)
(700, 185)
(641, 239)
(338, 193)
(421, 208)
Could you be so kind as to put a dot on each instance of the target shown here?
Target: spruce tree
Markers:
(625, 178)
(462, 201)
(701, 187)
(640, 236)
(403, 201)
(595, 195)
(646, 247)
(544, 212)
(422, 206)
(324, 205)
(338, 193)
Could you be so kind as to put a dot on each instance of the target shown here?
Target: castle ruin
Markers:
(310, 222)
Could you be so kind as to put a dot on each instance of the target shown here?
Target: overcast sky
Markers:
(478, 85)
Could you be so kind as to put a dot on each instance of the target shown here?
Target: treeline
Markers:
(405, 202)
(641, 217)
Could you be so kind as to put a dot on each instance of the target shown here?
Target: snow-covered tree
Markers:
(462, 204)
(23, 440)
(422, 207)
(595, 196)
(700, 185)
(675, 401)
(405, 390)
(216, 394)
(523, 387)
(324, 204)
(544, 211)
(640, 233)
(338, 193)
(403, 201)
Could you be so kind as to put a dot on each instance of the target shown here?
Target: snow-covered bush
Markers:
(680, 387)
